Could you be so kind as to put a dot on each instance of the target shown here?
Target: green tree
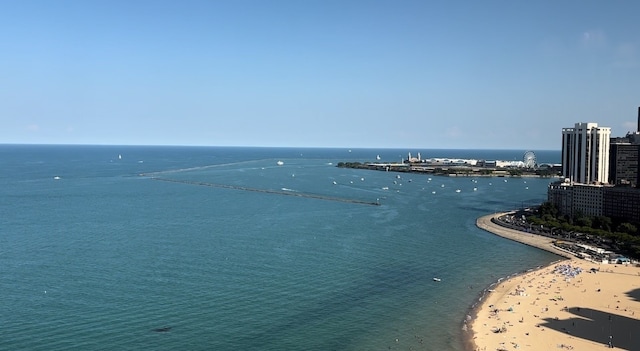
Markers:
(547, 208)
(583, 221)
(601, 222)
(627, 228)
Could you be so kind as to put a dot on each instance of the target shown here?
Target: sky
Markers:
(306, 73)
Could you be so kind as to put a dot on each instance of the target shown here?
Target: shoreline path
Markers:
(572, 304)
(534, 240)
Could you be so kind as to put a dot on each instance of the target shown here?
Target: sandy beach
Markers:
(572, 304)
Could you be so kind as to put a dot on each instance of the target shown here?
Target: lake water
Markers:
(220, 258)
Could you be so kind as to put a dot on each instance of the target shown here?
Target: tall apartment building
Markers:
(624, 159)
(585, 153)
(624, 168)
(592, 162)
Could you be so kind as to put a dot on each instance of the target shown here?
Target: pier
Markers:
(269, 191)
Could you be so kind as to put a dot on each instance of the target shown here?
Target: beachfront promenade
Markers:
(539, 241)
(572, 304)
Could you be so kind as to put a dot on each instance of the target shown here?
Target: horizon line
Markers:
(280, 147)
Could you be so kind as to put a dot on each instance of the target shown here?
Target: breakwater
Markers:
(270, 191)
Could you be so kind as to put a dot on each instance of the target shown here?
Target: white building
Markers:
(585, 153)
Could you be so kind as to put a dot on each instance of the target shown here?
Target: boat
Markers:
(458, 190)
(56, 178)
(279, 163)
(378, 157)
(437, 279)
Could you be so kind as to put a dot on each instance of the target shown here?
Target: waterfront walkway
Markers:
(539, 241)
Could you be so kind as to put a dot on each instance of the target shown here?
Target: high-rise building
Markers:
(585, 153)
(624, 168)
(624, 159)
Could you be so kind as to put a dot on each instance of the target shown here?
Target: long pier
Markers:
(269, 191)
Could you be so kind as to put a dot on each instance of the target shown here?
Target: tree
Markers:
(601, 222)
(583, 221)
(547, 208)
(627, 228)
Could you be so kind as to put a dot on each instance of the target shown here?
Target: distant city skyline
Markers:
(353, 74)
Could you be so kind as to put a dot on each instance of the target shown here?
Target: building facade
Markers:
(576, 200)
(592, 163)
(622, 203)
(624, 165)
(560, 194)
(585, 153)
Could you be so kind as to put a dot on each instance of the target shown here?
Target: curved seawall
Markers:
(538, 241)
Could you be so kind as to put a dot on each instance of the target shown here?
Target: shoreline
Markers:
(534, 240)
(447, 170)
(586, 310)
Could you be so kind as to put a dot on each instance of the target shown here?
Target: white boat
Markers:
(378, 157)
(458, 190)
(437, 279)
(334, 182)
(56, 178)
(279, 163)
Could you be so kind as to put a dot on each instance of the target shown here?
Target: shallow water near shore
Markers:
(107, 257)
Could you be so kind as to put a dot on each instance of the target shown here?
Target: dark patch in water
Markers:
(162, 330)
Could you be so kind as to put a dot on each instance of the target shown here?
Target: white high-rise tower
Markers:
(585, 153)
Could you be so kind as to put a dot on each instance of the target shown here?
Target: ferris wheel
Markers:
(529, 159)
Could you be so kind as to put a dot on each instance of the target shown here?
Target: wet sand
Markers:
(572, 304)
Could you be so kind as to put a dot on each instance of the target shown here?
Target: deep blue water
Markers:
(103, 256)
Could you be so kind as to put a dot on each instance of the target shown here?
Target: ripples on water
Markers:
(104, 258)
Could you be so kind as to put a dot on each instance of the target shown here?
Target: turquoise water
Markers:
(106, 255)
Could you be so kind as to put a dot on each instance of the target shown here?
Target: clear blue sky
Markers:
(421, 74)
